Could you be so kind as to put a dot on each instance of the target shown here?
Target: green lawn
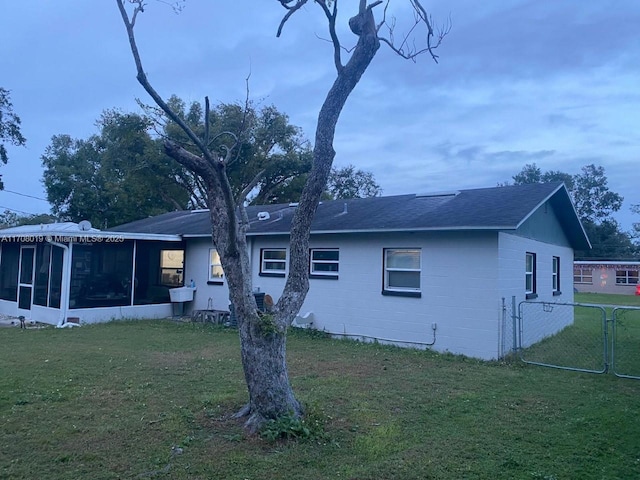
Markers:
(110, 401)
(608, 299)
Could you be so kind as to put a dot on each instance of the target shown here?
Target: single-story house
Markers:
(600, 276)
(422, 269)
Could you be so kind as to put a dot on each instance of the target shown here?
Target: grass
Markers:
(151, 399)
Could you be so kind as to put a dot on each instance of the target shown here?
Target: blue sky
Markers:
(555, 82)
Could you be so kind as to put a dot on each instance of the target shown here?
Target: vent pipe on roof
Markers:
(262, 216)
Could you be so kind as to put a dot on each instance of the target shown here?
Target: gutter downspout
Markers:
(66, 281)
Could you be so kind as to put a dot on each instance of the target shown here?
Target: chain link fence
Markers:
(625, 352)
(586, 338)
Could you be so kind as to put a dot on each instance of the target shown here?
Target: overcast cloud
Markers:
(555, 82)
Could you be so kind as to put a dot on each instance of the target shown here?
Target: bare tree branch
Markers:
(331, 17)
(142, 79)
(291, 10)
(243, 195)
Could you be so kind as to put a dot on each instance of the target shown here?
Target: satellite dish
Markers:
(84, 225)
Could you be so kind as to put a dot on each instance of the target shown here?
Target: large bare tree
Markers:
(263, 338)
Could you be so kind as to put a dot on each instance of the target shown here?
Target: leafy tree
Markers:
(592, 197)
(608, 242)
(267, 145)
(589, 189)
(594, 203)
(9, 127)
(531, 173)
(349, 182)
(263, 338)
(636, 225)
(114, 177)
(10, 219)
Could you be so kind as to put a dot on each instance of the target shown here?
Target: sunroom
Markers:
(71, 272)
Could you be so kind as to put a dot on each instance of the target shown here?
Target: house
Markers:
(427, 270)
(422, 270)
(599, 276)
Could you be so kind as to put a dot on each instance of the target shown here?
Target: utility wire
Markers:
(25, 195)
(19, 211)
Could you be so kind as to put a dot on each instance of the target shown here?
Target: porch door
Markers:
(25, 279)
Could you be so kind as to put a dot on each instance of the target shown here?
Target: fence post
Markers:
(514, 318)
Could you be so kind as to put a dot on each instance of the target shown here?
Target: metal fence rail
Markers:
(566, 336)
(625, 351)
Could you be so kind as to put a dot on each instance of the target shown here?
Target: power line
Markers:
(25, 195)
(19, 211)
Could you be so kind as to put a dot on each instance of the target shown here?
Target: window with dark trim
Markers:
(324, 263)
(530, 275)
(273, 262)
(555, 276)
(402, 271)
(216, 274)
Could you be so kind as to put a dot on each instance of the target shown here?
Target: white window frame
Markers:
(324, 273)
(555, 275)
(583, 275)
(627, 279)
(389, 289)
(265, 269)
(214, 262)
(168, 264)
(530, 275)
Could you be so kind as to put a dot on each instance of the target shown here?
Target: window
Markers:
(402, 270)
(555, 282)
(273, 262)
(626, 277)
(171, 268)
(324, 263)
(530, 275)
(216, 274)
(582, 275)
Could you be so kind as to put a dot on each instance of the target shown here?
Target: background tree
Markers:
(594, 203)
(263, 338)
(592, 197)
(114, 177)
(636, 225)
(350, 182)
(9, 127)
(267, 143)
(12, 219)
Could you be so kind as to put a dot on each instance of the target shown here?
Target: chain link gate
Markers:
(625, 351)
(580, 337)
(562, 335)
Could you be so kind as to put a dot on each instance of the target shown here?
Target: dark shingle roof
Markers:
(498, 208)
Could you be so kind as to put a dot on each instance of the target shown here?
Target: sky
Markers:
(551, 82)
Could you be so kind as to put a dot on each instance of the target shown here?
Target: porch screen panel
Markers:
(43, 264)
(152, 266)
(9, 264)
(101, 275)
(55, 282)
